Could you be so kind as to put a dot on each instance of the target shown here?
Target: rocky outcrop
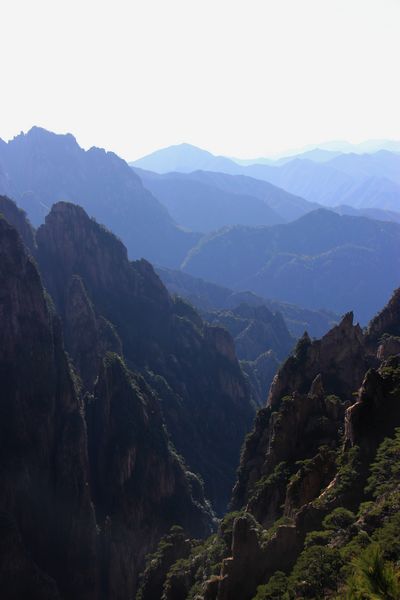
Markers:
(290, 465)
(303, 423)
(376, 412)
(192, 367)
(254, 560)
(311, 478)
(305, 410)
(339, 357)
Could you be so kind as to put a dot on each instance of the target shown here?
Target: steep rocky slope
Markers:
(107, 302)
(89, 484)
(41, 168)
(318, 483)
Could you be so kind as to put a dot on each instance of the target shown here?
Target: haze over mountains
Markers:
(230, 224)
(40, 168)
(129, 389)
(359, 180)
(320, 260)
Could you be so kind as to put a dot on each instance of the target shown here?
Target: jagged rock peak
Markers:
(73, 216)
(338, 355)
(37, 133)
(347, 320)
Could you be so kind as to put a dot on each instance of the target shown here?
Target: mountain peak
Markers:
(36, 134)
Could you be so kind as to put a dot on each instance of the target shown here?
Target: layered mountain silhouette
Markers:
(184, 158)
(128, 392)
(40, 168)
(206, 201)
(379, 164)
(359, 180)
(322, 259)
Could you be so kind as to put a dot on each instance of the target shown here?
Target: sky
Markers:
(243, 78)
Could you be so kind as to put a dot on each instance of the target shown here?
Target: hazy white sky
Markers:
(238, 77)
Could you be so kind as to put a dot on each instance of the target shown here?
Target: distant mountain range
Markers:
(320, 260)
(206, 201)
(39, 168)
(254, 230)
(327, 177)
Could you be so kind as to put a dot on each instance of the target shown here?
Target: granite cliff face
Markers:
(138, 485)
(89, 483)
(315, 456)
(192, 366)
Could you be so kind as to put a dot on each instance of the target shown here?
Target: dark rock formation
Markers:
(80, 506)
(310, 455)
(339, 358)
(43, 449)
(139, 487)
(303, 423)
(192, 366)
